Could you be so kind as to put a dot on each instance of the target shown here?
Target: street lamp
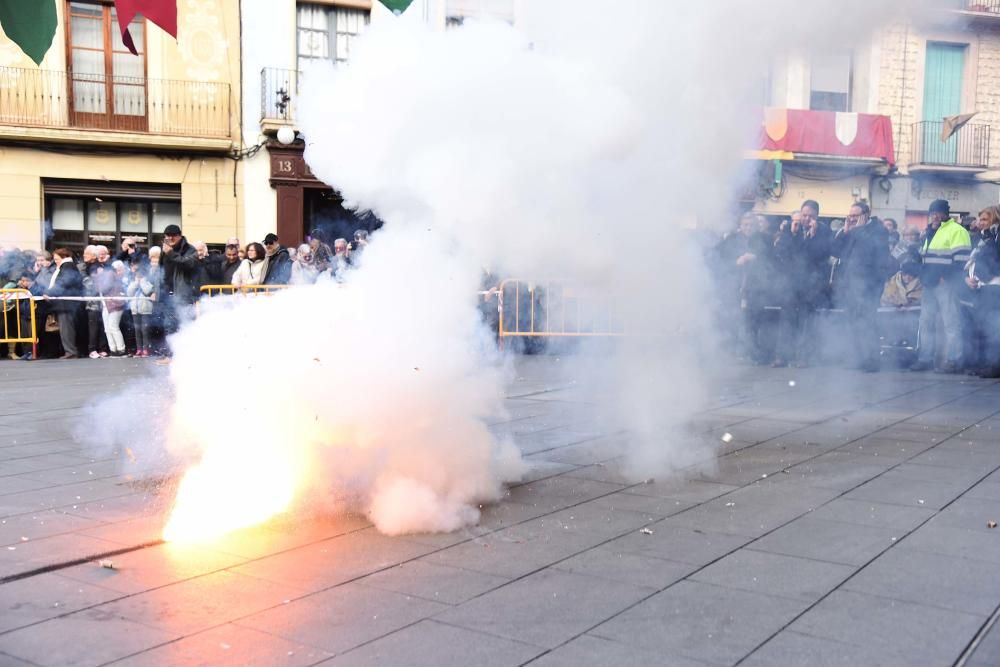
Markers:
(286, 136)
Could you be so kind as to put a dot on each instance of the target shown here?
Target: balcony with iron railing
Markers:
(279, 92)
(985, 8)
(53, 106)
(967, 149)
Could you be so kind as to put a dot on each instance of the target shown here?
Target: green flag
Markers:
(397, 6)
(31, 24)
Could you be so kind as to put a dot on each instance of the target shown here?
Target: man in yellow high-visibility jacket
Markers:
(945, 251)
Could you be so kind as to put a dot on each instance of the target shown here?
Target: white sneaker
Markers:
(94, 355)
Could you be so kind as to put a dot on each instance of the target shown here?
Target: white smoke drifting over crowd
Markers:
(583, 148)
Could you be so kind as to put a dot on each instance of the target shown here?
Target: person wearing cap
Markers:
(180, 275)
(945, 251)
(277, 263)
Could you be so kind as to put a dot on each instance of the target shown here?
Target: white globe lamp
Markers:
(286, 136)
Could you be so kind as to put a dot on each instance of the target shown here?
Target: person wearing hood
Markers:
(277, 263)
(179, 287)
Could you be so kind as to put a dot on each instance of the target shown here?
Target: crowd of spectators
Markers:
(790, 280)
(102, 305)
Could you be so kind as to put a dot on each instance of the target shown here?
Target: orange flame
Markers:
(231, 489)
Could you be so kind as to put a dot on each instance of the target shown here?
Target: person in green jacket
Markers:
(944, 253)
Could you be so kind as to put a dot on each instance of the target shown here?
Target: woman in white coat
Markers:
(251, 270)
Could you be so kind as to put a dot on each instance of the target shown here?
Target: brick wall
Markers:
(900, 87)
(898, 84)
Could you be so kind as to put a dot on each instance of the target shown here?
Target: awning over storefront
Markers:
(848, 135)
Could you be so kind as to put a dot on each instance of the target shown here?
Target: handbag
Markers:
(51, 323)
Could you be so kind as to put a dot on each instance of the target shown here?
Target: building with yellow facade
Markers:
(97, 143)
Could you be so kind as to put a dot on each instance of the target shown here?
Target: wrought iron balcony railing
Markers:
(981, 6)
(969, 147)
(51, 99)
(279, 91)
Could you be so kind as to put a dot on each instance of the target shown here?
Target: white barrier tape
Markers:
(73, 298)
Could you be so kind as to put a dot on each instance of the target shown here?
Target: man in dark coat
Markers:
(745, 272)
(209, 266)
(180, 276)
(66, 282)
(279, 264)
(815, 283)
(231, 261)
(862, 247)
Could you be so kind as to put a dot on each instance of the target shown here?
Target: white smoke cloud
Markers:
(373, 394)
(585, 148)
(583, 151)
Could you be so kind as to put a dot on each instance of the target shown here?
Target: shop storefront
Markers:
(906, 198)
(81, 213)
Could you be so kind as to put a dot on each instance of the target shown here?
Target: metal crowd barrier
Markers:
(245, 290)
(554, 309)
(234, 290)
(14, 300)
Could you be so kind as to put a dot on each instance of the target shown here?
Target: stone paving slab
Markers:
(921, 633)
(846, 521)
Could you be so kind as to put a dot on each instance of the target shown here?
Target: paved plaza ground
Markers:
(846, 523)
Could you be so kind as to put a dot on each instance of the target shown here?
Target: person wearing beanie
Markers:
(944, 253)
